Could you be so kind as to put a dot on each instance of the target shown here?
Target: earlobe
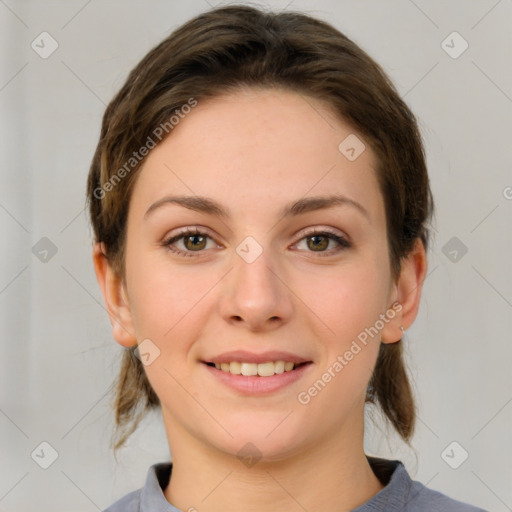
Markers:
(115, 298)
(408, 293)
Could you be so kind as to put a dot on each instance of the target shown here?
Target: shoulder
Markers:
(150, 497)
(403, 494)
(423, 499)
(128, 503)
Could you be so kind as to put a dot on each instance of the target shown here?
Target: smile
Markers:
(266, 369)
(257, 379)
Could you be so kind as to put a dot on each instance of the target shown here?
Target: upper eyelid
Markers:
(310, 229)
(320, 230)
(201, 230)
(190, 231)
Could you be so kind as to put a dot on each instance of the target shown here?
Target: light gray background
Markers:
(57, 355)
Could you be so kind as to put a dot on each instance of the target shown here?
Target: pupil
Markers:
(319, 241)
(195, 243)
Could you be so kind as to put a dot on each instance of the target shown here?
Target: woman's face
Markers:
(267, 280)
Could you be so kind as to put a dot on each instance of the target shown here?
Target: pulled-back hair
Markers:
(220, 51)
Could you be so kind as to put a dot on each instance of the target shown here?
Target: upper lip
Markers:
(244, 356)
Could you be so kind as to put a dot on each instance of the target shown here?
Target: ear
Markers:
(406, 294)
(114, 295)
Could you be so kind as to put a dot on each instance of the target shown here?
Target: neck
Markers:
(332, 475)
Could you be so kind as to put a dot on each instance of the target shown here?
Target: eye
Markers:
(192, 241)
(195, 241)
(319, 240)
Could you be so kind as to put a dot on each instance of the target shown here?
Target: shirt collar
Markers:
(391, 473)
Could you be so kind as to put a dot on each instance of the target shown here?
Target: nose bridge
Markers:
(256, 293)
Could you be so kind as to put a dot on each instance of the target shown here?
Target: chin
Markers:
(266, 438)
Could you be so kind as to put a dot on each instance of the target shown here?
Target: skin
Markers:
(255, 151)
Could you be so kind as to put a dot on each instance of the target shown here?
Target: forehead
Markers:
(257, 146)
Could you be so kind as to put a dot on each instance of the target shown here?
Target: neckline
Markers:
(390, 472)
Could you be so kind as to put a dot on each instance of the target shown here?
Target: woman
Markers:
(260, 204)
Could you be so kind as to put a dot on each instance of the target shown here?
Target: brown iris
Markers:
(322, 244)
(199, 242)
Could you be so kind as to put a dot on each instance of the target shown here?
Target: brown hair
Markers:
(234, 46)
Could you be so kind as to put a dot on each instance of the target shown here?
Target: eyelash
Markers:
(343, 242)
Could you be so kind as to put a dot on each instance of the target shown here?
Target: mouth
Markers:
(257, 374)
(265, 369)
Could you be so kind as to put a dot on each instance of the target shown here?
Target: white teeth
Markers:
(265, 369)
(279, 367)
(235, 368)
(250, 369)
(288, 367)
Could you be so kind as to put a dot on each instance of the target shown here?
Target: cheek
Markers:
(351, 307)
(170, 305)
(159, 295)
(353, 297)
(167, 308)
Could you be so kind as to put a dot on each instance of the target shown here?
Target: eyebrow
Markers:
(304, 205)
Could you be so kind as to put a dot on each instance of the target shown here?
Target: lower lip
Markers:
(255, 385)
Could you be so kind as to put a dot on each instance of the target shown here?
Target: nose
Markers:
(256, 294)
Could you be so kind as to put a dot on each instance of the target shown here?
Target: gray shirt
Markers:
(400, 494)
